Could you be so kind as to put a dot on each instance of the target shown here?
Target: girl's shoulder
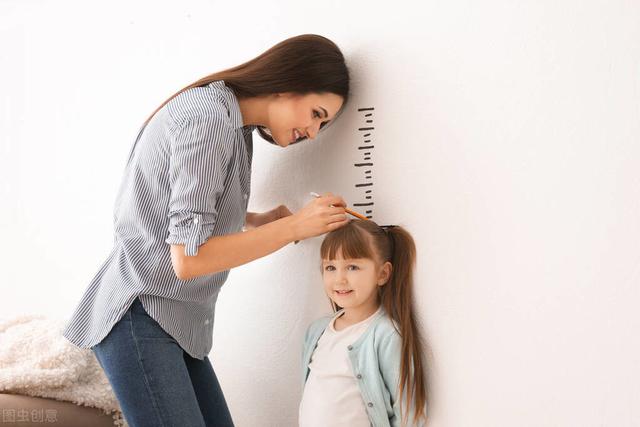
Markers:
(319, 325)
(384, 325)
(382, 330)
(314, 332)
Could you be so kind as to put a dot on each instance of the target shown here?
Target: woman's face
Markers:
(293, 117)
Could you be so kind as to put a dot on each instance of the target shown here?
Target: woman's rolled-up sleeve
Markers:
(201, 150)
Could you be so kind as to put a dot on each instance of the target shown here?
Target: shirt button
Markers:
(206, 322)
(350, 348)
(370, 405)
(359, 376)
(195, 220)
(245, 196)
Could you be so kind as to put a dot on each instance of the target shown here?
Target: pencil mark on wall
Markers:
(366, 143)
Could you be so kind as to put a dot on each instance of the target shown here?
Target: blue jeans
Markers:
(156, 382)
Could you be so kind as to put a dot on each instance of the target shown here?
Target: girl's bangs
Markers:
(350, 241)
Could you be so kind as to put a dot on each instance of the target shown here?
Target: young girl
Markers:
(363, 366)
(148, 313)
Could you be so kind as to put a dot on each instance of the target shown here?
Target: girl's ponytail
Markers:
(397, 299)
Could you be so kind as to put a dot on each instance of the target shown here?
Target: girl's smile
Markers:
(353, 284)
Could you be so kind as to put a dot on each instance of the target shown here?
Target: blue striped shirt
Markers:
(187, 179)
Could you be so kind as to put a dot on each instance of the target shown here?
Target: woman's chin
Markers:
(282, 142)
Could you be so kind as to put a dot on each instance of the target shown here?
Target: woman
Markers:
(148, 313)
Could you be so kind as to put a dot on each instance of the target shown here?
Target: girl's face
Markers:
(353, 283)
(294, 117)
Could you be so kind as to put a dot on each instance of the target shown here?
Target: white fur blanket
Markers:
(36, 360)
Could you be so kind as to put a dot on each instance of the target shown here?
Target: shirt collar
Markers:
(235, 115)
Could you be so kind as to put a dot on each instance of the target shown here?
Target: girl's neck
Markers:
(351, 316)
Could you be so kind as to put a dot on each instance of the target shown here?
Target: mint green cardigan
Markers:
(375, 359)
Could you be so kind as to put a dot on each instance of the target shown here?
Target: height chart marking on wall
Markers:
(365, 153)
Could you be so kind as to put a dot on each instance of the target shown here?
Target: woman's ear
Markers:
(385, 273)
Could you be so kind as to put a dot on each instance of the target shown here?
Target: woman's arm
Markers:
(254, 219)
(251, 220)
(221, 253)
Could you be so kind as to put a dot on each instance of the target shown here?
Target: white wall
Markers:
(506, 141)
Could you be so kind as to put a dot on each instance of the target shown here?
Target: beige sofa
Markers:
(17, 410)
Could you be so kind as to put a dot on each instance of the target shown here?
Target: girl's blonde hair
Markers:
(366, 239)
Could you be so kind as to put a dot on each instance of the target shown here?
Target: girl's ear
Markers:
(385, 273)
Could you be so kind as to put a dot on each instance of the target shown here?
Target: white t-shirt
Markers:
(331, 395)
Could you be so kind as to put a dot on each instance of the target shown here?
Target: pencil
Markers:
(349, 211)
(356, 214)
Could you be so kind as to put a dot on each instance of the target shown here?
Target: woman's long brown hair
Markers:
(303, 64)
(366, 239)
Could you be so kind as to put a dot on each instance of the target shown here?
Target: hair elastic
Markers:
(387, 227)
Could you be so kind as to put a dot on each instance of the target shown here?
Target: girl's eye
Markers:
(353, 267)
(316, 114)
(329, 268)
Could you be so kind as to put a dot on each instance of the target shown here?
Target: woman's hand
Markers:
(257, 219)
(221, 253)
(321, 215)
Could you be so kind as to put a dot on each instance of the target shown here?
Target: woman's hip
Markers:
(148, 373)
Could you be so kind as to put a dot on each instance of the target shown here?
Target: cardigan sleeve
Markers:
(389, 354)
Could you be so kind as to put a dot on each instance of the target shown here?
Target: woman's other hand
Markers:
(257, 219)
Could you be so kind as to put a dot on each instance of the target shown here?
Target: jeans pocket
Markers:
(146, 327)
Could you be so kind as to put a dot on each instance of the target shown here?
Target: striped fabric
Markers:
(187, 179)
